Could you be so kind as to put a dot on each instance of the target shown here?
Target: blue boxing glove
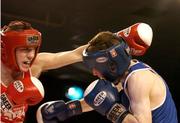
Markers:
(103, 96)
(55, 111)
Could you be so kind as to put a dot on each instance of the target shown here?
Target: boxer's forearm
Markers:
(85, 107)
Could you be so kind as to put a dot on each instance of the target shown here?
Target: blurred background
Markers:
(67, 24)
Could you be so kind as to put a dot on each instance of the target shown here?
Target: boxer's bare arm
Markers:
(140, 103)
(46, 61)
(85, 107)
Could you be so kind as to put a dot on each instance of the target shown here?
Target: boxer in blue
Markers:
(127, 91)
(147, 98)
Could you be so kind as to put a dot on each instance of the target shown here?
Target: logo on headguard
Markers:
(101, 59)
(33, 39)
(113, 53)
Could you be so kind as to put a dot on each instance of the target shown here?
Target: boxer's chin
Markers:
(24, 67)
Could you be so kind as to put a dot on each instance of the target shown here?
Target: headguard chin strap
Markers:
(11, 40)
(112, 62)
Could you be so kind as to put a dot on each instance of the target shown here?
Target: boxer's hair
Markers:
(102, 41)
(17, 26)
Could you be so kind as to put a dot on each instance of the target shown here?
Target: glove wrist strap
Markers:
(117, 113)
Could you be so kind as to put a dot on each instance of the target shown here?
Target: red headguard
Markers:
(10, 40)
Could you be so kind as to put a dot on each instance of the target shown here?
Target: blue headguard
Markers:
(112, 62)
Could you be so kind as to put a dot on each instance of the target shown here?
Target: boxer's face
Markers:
(24, 57)
(97, 73)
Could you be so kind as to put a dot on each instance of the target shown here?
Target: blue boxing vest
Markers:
(164, 113)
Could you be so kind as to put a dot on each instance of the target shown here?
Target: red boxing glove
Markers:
(28, 90)
(138, 37)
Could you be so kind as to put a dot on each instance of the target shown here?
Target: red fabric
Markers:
(16, 113)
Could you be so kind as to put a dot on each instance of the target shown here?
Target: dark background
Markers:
(67, 24)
